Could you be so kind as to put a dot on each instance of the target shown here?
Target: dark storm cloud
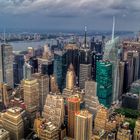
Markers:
(79, 9)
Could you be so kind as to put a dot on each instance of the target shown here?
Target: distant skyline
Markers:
(70, 14)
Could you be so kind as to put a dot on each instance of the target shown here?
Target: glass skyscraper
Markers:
(6, 64)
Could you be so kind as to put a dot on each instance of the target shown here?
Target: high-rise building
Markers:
(124, 133)
(33, 61)
(45, 66)
(100, 119)
(83, 125)
(136, 62)
(13, 122)
(72, 57)
(6, 94)
(53, 85)
(58, 68)
(111, 54)
(43, 81)
(18, 68)
(48, 131)
(31, 97)
(90, 98)
(4, 135)
(95, 57)
(121, 77)
(104, 82)
(6, 64)
(85, 74)
(85, 58)
(70, 82)
(54, 110)
(73, 107)
(137, 130)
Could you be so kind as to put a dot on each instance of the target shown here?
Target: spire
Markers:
(113, 27)
(85, 36)
(4, 36)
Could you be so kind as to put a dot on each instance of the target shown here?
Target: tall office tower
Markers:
(4, 135)
(124, 133)
(27, 70)
(126, 77)
(6, 64)
(137, 130)
(136, 65)
(33, 61)
(53, 85)
(96, 46)
(85, 63)
(104, 82)
(70, 82)
(70, 78)
(13, 122)
(31, 97)
(54, 110)
(121, 77)
(73, 107)
(18, 69)
(90, 98)
(72, 56)
(95, 57)
(58, 68)
(48, 131)
(101, 118)
(129, 58)
(83, 125)
(85, 74)
(45, 66)
(111, 54)
(6, 94)
(43, 81)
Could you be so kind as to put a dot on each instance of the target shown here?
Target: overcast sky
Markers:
(70, 14)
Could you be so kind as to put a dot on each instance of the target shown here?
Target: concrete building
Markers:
(13, 122)
(31, 97)
(4, 135)
(84, 75)
(43, 81)
(54, 110)
(73, 107)
(90, 98)
(137, 130)
(6, 64)
(48, 131)
(83, 125)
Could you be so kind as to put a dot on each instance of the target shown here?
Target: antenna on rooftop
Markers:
(4, 38)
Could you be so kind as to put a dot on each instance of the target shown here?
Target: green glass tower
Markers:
(104, 82)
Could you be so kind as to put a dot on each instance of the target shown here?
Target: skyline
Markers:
(70, 15)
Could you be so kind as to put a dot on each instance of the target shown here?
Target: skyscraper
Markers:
(27, 70)
(58, 68)
(43, 81)
(70, 82)
(83, 125)
(54, 110)
(90, 98)
(53, 85)
(137, 130)
(18, 69)
(13, 122)
(31, 97)
(85, 62)
(104, 82)
(73, 107)
(6, 64)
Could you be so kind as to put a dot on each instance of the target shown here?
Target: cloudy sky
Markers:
(70, 14)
